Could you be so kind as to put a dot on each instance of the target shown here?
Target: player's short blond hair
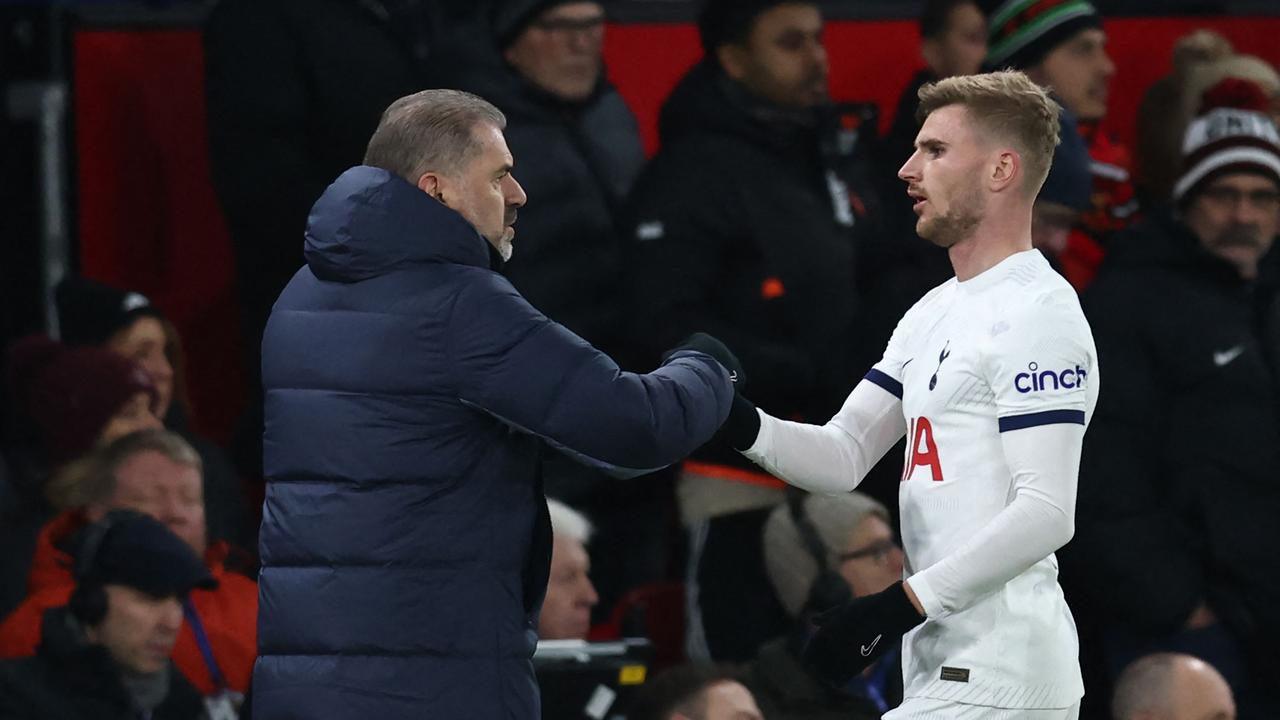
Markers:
(1007, 106)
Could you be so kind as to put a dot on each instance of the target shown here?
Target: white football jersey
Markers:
(1007, 350)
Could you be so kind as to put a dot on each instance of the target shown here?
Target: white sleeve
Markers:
(833, 458)
(1040, 371)
(1045, 461)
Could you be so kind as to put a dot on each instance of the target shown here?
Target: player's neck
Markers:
(999, 235)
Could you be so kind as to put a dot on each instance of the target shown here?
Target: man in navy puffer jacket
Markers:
(409, 391)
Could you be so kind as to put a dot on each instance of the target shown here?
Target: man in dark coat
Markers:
(745, 224)
(579, 150)
(1179, 491)
(106, 654)
(410, 390)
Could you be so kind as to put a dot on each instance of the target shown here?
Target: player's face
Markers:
(484, 191)
(873, 560)
(1080, 71)
(942, 177)
(783, 59)
(1236, 218)
(961, 48)
(566, 612)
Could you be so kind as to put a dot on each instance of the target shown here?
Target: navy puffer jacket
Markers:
(409, 391)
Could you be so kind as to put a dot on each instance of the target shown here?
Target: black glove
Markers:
(743, 424)
(709, 345)
(854, 635)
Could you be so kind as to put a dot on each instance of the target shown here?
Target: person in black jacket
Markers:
(579, 151)
(106, 654)
(1179, 490)
(294, 88)
(745, 223)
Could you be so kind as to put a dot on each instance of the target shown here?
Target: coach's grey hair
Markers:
(567, 521)
(432, 130)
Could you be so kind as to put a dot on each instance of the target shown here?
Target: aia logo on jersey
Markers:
(922, 451)
(1037, 380)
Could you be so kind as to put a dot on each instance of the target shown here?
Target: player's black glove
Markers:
(854, 635)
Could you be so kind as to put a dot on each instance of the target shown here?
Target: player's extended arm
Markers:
(831, 458)
(1045, 463)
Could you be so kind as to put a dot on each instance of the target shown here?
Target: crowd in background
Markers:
(772, 218)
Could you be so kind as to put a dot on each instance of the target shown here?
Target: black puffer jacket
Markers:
(744, 226)
(1180, 478)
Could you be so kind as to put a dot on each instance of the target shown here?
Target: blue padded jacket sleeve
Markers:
(532, 373)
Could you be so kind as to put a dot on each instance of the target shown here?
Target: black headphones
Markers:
(88, 602)
(829, 588)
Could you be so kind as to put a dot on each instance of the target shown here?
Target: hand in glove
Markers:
(743, 424)
(854, 635)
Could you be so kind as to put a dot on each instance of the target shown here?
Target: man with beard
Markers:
(992, 377)
(1178, 491)
(745, 224)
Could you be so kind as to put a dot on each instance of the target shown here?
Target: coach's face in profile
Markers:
(482, 189)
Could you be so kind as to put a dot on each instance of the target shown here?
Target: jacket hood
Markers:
(369, 222)
(706, 101)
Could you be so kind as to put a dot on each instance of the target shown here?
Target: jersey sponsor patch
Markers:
(1047, 380)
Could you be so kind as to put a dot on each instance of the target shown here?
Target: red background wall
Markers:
(148, 219)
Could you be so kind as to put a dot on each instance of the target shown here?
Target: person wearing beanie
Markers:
(820, 551)
(1061, 45)
(579, 152)
(746, 223)
(95, 314)
(1180, 463)
(106, 653)
(67, 400)
(158, 473)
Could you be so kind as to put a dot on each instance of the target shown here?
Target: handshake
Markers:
(743, 425)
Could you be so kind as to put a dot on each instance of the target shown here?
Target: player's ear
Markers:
(1005, 169)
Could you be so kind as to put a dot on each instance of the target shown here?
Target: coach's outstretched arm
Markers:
(514, 363)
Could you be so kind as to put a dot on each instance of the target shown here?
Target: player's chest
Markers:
(944, 372)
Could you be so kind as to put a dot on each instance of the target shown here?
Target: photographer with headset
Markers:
(105, 655)
(819, 552)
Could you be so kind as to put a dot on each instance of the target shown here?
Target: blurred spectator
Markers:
(820, 552)
(1172, 686)
(1065, 195)
(896, 271)
(1062, 46)
(66, 402)
(695, 692)
(1178, 495)
(91, 313)
(1163, 116)
(1241, 67)
(566, 610)
(294, 89)
(105, 653)
(154, 472)
(744, 225)
(578, 151)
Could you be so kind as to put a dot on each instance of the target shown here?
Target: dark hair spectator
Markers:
(129, 324)
(695, 692)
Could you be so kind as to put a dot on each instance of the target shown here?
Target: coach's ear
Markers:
(1005, 170)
